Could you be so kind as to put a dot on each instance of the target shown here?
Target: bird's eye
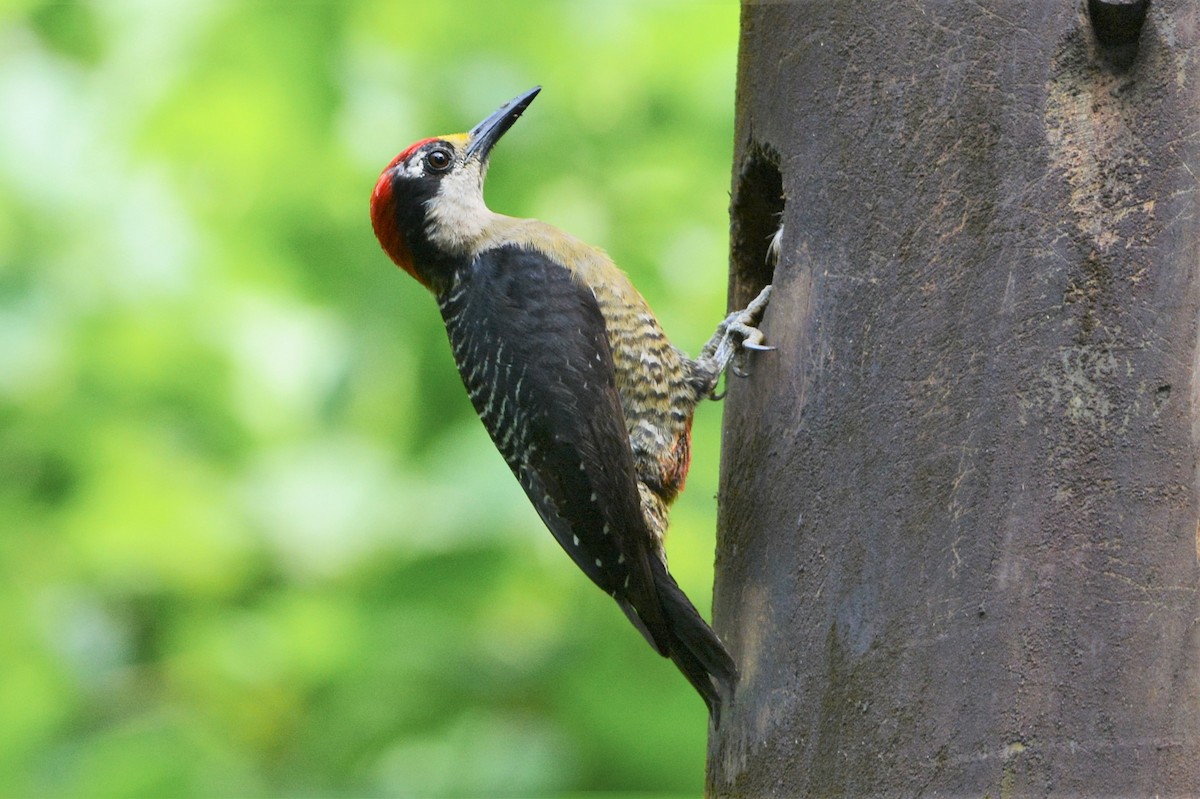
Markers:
(439, 160)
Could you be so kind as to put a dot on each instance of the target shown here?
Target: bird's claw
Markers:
(757, 305)
(736, 335)
(743, 328)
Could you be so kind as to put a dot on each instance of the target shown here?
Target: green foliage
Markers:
(253, 541)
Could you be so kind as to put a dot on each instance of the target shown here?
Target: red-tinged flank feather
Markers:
(680, 459)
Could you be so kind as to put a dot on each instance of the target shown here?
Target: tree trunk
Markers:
(959, 503)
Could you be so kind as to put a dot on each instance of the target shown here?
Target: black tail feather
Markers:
(695, 648)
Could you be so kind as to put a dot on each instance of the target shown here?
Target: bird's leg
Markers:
(737, 333)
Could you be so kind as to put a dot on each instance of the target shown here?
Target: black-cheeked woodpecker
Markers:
(589, 403)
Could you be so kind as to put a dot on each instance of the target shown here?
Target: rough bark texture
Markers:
(959, 505)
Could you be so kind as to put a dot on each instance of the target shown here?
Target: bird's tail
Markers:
(695, 648)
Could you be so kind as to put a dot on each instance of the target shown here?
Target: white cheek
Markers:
(458, 215)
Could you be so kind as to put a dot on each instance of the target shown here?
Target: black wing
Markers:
(532, 349)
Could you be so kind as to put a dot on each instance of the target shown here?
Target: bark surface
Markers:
(959, 504)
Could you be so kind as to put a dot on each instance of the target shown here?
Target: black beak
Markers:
(488, 132)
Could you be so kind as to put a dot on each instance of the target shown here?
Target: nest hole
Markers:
(756, 216)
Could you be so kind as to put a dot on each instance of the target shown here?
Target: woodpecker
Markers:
(585, 398)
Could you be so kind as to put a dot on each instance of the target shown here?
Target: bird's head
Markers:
(427, 207)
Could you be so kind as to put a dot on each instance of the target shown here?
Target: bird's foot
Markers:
(736, 334)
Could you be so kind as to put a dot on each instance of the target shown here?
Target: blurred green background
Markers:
(253, 540)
